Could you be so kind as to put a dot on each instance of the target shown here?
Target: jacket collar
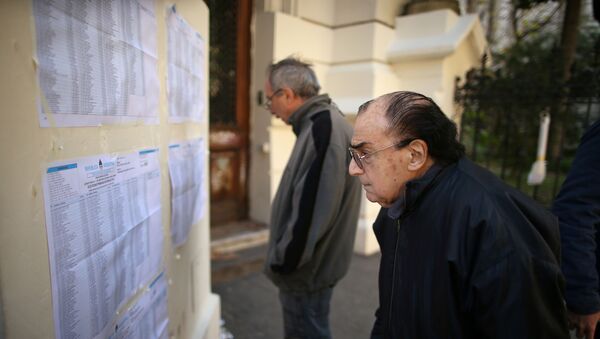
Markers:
(413, 190)
(310, 107)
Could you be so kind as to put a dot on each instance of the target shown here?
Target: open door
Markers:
(229, 107)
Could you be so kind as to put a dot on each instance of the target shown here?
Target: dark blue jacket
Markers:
(578, 209)
(465, 256)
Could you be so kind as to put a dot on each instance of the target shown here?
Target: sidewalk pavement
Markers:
(250, 304)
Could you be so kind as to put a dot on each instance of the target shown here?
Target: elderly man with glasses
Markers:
(315, 211)
(463, 255)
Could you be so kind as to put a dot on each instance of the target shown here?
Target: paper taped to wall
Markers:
(188, 194)
(103, 221)
(185, 73)
(147, 317)
(96, 62)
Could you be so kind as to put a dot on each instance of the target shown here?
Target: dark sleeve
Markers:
(518, 297)
(513, 278)
(383, 227)
(577, 207)
(377, 331)
(321, 136)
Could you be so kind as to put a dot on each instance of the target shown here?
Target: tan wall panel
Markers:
(26, 149)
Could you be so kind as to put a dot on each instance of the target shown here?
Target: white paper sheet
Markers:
(103, 221)
(147, 318)
(96, 62)
(188, 194)
(185, 77)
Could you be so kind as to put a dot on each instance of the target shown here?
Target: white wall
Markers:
(260, 186)
(337, 13)
(361, 50)
(427, 60)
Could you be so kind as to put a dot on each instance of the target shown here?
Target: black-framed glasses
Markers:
(358, 159)
(269, 100)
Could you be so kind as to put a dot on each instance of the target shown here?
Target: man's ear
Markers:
(419, 153)
(292, 100)
(288, 93)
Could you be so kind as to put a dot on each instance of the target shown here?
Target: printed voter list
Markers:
(188, 192)
(97, 62)
(103, 221)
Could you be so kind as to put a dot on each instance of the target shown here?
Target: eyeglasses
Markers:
(270, 98)
(358, 159)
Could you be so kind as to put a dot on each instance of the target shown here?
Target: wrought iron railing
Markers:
(499, 121)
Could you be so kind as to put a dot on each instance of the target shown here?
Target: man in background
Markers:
(315, 211)
(578, 209)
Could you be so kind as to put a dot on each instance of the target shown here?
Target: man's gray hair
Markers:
(294, 74)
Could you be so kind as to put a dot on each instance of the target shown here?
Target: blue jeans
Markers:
(306, 316)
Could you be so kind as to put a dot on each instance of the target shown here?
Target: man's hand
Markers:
(585, 324)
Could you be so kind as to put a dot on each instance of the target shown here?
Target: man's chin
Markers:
(374, 199)
(377, 200)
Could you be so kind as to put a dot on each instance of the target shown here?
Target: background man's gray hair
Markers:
(294, 74)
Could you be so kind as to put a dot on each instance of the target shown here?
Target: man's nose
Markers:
(353, 168)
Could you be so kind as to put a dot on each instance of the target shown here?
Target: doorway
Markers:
(229, 67)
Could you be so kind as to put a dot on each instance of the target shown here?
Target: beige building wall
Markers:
(25, 290)
(360, 50)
